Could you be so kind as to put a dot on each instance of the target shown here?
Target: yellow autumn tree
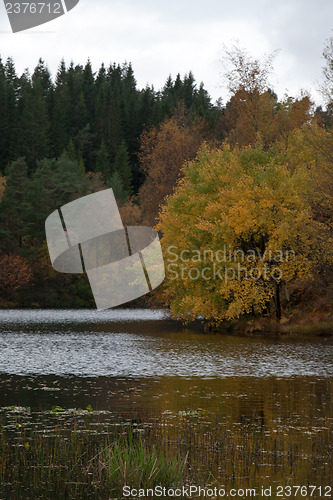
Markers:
(312, 147)
(238, 228)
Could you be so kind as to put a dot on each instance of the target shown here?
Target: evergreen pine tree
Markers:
(3, 118)
(123, 167)
(34, 130)
(10, 111)
(14, 207)
(59, 111)
(71, 151)
(188, 90)
(103, 162)
(115, 182)
(54, 183)
(88, 88)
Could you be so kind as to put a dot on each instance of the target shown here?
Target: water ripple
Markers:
(87, 343)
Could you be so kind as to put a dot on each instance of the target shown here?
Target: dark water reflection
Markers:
(109, 361)
(304, 399)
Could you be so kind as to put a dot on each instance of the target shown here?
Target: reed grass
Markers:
(82, 459)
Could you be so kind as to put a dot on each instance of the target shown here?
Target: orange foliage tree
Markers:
(15, 273)
(163, 152)
(254, 112)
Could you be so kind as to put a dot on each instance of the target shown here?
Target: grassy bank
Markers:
(264, 327)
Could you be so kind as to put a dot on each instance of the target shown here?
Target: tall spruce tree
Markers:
(103, 164)
(14, 208)
(3, 118)
(10, 111)
(34, 130)
(123, 167)
(115, 182)
(59, 107)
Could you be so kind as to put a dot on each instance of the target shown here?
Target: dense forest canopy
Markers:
(167, 156)
(98, 116)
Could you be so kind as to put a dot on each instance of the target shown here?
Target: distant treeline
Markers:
(66, 137)
(98, 116)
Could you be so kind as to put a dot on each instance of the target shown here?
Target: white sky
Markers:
(162, 38)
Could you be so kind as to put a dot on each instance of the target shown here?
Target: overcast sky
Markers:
(178, 36)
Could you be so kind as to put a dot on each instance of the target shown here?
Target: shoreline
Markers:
(261, 326)
(264, 327)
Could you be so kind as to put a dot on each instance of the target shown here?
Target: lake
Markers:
(136, 363)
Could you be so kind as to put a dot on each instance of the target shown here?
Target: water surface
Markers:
(269, 398)
(142, 343)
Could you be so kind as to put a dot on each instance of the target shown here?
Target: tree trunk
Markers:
(277, 302)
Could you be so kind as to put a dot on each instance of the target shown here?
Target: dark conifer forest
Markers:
(64, 137)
